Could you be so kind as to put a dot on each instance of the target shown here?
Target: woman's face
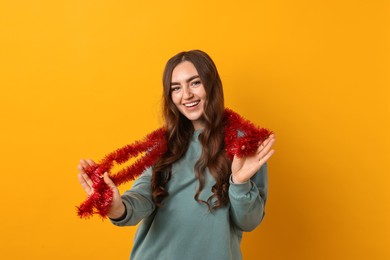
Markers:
(188, 93)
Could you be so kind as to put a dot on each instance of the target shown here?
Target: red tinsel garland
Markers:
(242, 138)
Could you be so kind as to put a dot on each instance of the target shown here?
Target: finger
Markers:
(83, 163)
(90, 162)
(86, 186)
(271, 137)
(108, 181)
(87, 179)
(80, 168)
(266, 157)
(267, 139)
(237, 163)
(266, 148)
(266, 142)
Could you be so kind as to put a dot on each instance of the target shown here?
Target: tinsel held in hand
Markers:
(242, 138)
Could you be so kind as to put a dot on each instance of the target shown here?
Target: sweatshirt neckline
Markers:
(196, 134)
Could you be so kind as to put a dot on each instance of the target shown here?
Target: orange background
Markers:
(82, 78)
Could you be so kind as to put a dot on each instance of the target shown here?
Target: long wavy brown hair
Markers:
(180, 130)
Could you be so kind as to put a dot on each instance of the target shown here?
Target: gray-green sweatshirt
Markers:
(184, 229)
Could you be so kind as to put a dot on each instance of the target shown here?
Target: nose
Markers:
(187, 94)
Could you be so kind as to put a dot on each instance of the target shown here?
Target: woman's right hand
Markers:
(117, 209)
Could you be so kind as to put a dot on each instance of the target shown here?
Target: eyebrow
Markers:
(188, 80)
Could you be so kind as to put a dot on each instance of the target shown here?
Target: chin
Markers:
(193, 117)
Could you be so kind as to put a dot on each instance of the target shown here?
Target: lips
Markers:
(191, 104)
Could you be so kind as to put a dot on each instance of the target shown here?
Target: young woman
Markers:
(194, 202)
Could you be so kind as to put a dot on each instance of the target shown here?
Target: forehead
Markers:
(183, 71)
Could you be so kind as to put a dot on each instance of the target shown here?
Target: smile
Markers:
(192, 104)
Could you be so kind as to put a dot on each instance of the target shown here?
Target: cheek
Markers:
(175, 99)
(202, 92)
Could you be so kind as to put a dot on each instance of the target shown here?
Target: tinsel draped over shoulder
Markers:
(242, 138)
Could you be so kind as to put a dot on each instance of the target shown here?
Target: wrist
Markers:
(118, 212)
(236, 180)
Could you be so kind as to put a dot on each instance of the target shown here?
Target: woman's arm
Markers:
(249, 186)
(132, 206)
(247, 200)
(117, 208)
(138, 201)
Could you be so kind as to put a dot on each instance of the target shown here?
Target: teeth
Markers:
(191, 104)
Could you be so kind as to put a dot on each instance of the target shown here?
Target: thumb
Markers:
(108, 181)
(237, 163)
(237, 159)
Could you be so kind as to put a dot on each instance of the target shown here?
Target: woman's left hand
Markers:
(244, 168)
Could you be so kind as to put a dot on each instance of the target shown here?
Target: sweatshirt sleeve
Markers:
(247, 200)
(138, 201)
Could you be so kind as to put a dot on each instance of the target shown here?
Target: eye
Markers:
(175, 89)
(196, 83)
